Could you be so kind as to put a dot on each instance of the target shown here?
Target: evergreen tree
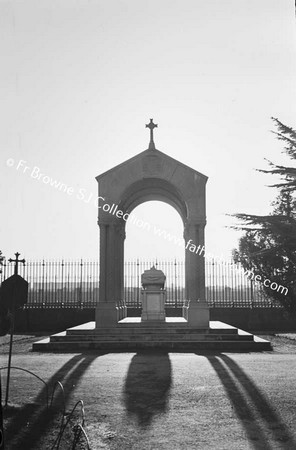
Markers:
(287, 174)
(268, 247)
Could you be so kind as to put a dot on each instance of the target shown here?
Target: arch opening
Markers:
(154, 230)
(154, 237)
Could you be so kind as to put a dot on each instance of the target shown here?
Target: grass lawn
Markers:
(155, 400)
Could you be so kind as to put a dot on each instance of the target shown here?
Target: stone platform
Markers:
(132, 335)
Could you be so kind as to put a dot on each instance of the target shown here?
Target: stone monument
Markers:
(153, 295)
(150, 175)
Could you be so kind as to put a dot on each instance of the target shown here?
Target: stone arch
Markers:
(150, 175)
(153, 189)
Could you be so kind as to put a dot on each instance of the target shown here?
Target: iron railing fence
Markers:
(64, 284)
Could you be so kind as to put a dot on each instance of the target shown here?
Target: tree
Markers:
(287, 174)
(268, 246)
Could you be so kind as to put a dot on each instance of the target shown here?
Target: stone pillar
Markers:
(198, 313)
(153, 296)
(111, 272)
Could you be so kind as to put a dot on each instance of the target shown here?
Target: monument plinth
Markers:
(153, 295)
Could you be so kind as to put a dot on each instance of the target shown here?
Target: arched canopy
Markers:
(153, 189)
(153, 175)
(150, 175)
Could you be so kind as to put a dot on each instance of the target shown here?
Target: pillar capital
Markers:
(193, 229)
(201, 222)
(119, 229)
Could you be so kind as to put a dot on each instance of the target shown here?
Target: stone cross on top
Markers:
(17, 261)
(151, 126)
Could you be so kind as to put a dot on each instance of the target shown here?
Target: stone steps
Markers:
(218, 337)
(120, 331)
(185, 346)
(148, 337)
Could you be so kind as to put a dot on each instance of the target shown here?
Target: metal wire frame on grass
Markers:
(78, 427)
(36, 376)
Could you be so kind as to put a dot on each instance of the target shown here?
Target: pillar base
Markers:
(198, 314)
(153, 305)
(154, 317)
(106, 315)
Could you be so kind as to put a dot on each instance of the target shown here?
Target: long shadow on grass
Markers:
(28, 425)
(250, 405)
(265, 410)
(242, 408)
(147, 386)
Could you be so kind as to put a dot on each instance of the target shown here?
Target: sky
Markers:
(79, 81)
